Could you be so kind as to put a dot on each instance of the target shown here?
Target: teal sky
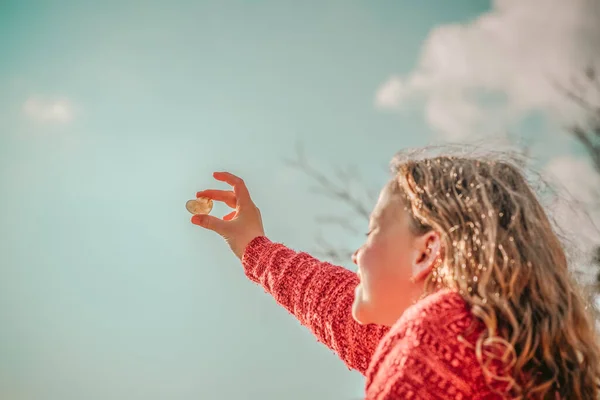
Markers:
(107, 291)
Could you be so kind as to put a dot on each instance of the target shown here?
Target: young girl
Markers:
(462, 289)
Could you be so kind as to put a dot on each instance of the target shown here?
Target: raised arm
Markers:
(318, 294)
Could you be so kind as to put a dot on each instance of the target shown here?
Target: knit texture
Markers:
(420, 358)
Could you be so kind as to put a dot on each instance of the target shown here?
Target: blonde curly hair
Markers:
(501, 252)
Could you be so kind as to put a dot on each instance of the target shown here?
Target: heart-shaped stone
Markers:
(201, 205)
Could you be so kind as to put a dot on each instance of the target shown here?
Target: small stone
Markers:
(201, 205)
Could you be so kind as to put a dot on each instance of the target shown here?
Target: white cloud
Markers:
(389, 94)
(514, 51)
(49, 110)
(577, 210)
(577, 176)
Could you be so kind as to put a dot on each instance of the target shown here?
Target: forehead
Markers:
(389, 206)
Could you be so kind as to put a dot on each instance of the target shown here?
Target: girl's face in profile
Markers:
(392, 263)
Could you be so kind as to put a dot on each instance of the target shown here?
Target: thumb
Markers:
(209, 222)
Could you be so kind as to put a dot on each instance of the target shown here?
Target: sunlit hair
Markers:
(501, 253)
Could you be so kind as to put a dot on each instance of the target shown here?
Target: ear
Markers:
(428, 248)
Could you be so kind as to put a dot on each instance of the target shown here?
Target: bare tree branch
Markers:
(329, 188)
(340, 190)
(577, 96)
(588, 131)
(343, 222)
(331, 252)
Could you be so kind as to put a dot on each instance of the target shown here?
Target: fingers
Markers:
(229, 216)
(211, 223)
(239, 187)
(226, 196)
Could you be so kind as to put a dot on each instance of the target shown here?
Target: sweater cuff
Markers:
(252, 256)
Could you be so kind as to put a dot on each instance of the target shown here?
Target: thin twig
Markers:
(337, 191)
(329, 188)
(342, 222)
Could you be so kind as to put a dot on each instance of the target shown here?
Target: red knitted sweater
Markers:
(419, 358)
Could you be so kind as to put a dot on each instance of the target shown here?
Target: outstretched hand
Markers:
(239, 227)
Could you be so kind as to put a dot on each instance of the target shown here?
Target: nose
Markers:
(355, 257)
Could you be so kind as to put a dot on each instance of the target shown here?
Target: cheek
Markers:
(368, 259)
(384, 269)
(384, 289)
(374, 263)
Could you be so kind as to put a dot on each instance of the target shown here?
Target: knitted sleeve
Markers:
(318, 294)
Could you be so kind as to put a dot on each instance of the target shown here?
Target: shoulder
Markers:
(437, 320)
(424, 349)
(446, 312)
(442, 315)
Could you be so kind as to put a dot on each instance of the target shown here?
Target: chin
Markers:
(359, 317)
(359, 310)
(363, 313)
